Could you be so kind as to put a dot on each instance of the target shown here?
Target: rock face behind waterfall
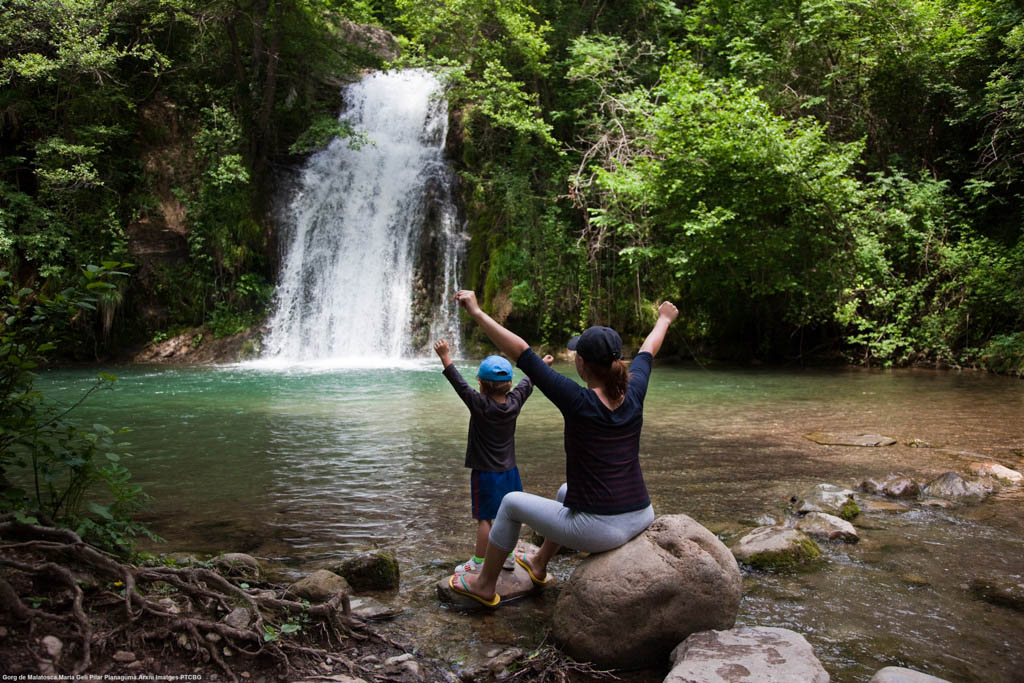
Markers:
(631, 606)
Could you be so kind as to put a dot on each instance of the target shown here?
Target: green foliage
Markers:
(742, 214)
(322, 131)
(51, 470)
(1005, 354)
(927, 286)
(845, 172)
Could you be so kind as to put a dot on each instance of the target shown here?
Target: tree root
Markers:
(56, 563)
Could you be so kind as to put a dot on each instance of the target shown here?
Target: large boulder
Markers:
(631, 606)
(776, 547)
(746, 655)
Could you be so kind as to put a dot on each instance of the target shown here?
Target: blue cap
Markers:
(495, 369)
(598, 344)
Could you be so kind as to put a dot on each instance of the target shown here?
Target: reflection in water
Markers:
(304, 467)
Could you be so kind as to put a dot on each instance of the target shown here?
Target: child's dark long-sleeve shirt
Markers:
(490, 446)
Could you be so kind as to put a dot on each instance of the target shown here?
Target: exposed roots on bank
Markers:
(68, 608)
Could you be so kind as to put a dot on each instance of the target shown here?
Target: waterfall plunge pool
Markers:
(303, 465)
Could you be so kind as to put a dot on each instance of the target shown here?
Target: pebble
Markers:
(53, 646)
(124, 656)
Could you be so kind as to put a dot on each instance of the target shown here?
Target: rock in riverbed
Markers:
(897, 674)
(895, 485)
(826, 527)
(746, 654)
(862, 440)
(951, 486)
(511, 584)
(631, 606)
(835, 500)
(991, 469)
(776, 547)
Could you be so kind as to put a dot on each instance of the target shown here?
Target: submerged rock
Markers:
(1005, 592)
(629, 607)
(775, 547)
(951, 486)
(863, 440)
(897, 674)
(827, 527)
(320, 586)
(835, 500)
(996, 471)
(746, 654)
(884, 506)
(373, 610)
(896, 485)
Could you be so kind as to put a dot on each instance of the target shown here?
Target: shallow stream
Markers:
(300, 467)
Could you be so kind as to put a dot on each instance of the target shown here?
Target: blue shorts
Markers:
(489, 488)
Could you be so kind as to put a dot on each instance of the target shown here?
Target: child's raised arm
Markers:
(442, 349)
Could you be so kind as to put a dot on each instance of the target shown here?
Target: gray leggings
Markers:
(583, 531)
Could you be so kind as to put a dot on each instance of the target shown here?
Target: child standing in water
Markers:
(490, 448)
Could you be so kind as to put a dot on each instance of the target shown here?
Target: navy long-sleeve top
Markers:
(602, 446)
(490, 445)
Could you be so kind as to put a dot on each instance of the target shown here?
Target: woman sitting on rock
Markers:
(604, 502)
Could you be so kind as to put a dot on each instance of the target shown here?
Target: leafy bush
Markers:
(51, 470)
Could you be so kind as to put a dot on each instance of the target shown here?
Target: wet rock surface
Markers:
(835, 500)
(898, 674)
(847, 439)
(775, 547)
(826, 527)
(745, 655)
(896, 485)
(952, 487)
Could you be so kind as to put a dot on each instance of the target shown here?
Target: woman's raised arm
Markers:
(509, 343)
(667, 313)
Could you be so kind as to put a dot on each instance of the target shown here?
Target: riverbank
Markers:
(201, 346)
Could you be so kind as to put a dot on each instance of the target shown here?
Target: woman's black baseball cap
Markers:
(598, 344)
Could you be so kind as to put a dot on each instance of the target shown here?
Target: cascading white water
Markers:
(372, 232)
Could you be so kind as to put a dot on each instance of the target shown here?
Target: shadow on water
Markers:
(302, 468)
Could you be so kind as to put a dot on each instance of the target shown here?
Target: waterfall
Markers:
(373, 242)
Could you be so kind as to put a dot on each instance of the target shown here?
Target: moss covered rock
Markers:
(370, 572)
(776, 547)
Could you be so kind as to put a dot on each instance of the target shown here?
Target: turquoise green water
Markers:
(301, 467)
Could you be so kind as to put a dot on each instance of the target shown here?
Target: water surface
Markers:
(301, 467)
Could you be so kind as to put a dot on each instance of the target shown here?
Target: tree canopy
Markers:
(836, 177)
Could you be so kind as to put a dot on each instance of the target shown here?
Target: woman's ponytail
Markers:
(614, 378)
